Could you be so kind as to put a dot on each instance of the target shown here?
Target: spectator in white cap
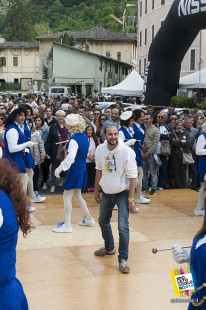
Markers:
(76, 178)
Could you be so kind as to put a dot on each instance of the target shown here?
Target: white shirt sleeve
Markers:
(12, 138)
(1, 218)
(70, 158)
(200, 147)
(121, 136)
(131, 165)
(98, 158)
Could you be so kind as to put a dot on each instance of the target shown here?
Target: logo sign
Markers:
(30, 83)
(182, 281)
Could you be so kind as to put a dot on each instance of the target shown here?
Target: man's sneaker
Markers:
(52, 189)
(44, 185)
(123, 267)
(62, 228)
(86, 222)
(103, 252)
(142, 200)
(115, 207)
(30, 208)
(153, 192)
(136, 210)
(160, 188)
(37, 198)
(200, 212)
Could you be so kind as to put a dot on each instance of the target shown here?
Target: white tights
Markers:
(24, 179)
(76, 193)
(200, 202)
(30, 173)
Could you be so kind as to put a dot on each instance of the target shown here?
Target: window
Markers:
(108, 54)
(140, 39)
(116, 69)
(145, 62)
(192, 59)
(16, 80)
(145, 6)
(126, 71)
(140, 67)
(162, 2)
(145, 36)
(152, 32)
(15, 61)
(122, 70)
(140, 9)
(152, 4)
(2, 61)
(119, 56)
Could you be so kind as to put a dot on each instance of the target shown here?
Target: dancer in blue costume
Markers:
(139, 134)
(13, 215)
(126, 132)
(76, 179)
(15, 144)
(201, 152)
(197, 260)
(29, 162)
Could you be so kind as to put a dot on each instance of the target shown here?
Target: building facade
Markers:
(87, 71)
(98, 40)
(151, 14)
(19, 61)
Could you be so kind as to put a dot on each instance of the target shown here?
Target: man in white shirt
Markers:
(116, 173)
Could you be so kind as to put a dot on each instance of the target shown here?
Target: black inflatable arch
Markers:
(181, 26)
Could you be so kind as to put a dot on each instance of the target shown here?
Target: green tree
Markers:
(41, 29)
(19, 26)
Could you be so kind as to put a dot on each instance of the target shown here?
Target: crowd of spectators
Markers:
(167, 136)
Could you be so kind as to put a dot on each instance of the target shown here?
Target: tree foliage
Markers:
(27, 19)
(19, 26)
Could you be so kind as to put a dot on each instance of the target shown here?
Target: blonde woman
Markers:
(76, 179)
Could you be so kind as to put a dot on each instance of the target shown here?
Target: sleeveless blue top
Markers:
(28, 159)
(202, 163)
(11, 292)
(16, 157)
(77, 174)
(198, 268)
(138, 146)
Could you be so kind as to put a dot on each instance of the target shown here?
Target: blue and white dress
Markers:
(17, 157)
(76, 177)
(28, 159)
(139, 134)
(12, 296)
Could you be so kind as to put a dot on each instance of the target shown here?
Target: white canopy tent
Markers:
(131, 86)
(194, 80)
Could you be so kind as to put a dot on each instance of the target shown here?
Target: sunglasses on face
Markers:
(1, 119)
(96, 113)
(103, 119)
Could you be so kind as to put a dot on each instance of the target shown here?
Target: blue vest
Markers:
(28, 159)
(8, 240)
(16, 157)
(138, 146)
(83, 143)
(126, 134)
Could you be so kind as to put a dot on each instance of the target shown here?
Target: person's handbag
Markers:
(165, 148)
(187, 158)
